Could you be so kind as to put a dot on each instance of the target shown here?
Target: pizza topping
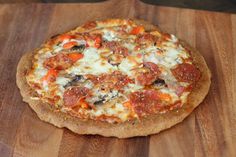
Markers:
(109, 35)
(148, 74)
(97, 41)
(102, 95)
(146, 39)
(99, 102)
(90, 25)
(91, 63)
(74, 81)
(59, 62)
(62, 61)
(186, 73)
(145, 102)
(72, 96)
(63, 37)
(78, 48)
(75, 56)
(69, 45)
(153, 67)
(146, 78)
(115, 80)
(137, 30)
(50, 76)
(114, 71)
(152, 101)
(159, 82)
(118, 52)
(130, 64)
(166, 36)
(116, 48)
(93, 40)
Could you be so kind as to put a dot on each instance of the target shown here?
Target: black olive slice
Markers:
(77, 78)
(113, 63)
(74, 81)
(79, 48)
(159, 82)
(99, 102)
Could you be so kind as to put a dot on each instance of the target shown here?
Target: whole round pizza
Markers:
(114, 77)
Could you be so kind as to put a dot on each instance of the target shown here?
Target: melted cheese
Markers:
(91, 63)
(129, 64)
(62, 81)
(168, 58)
(132, 88)
(116, 110)
(174, 96)
(109, 35)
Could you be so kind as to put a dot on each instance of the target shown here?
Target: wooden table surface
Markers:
(209, 131)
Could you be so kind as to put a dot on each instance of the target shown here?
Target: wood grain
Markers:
(209, 131)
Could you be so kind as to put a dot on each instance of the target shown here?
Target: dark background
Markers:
(212, 5)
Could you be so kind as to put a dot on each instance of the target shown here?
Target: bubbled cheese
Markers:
(91, 63)
(129, 64)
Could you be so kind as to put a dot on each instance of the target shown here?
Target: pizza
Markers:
(114, 77)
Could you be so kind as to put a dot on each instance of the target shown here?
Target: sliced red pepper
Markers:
(98, 41)
(64, 37)
(83, 103)
(50, 76)
(75, 56)
(69, 45)
(127, 104)
(137, 30)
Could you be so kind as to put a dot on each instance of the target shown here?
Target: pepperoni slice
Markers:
(153, 67)
(151, 101)
(146, 78)
(90, 25)
(146, 39)
(58, 62)
(116, 47)
(145, 102)
(93, 39)
(72, 96)
(186, 72)
(166, 36)
(116, 80)
(149, 74)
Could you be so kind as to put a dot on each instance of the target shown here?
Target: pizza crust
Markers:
(151, 124)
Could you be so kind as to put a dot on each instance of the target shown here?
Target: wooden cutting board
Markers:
(209, 131)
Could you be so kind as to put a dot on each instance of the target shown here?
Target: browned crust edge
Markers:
(149, 125)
